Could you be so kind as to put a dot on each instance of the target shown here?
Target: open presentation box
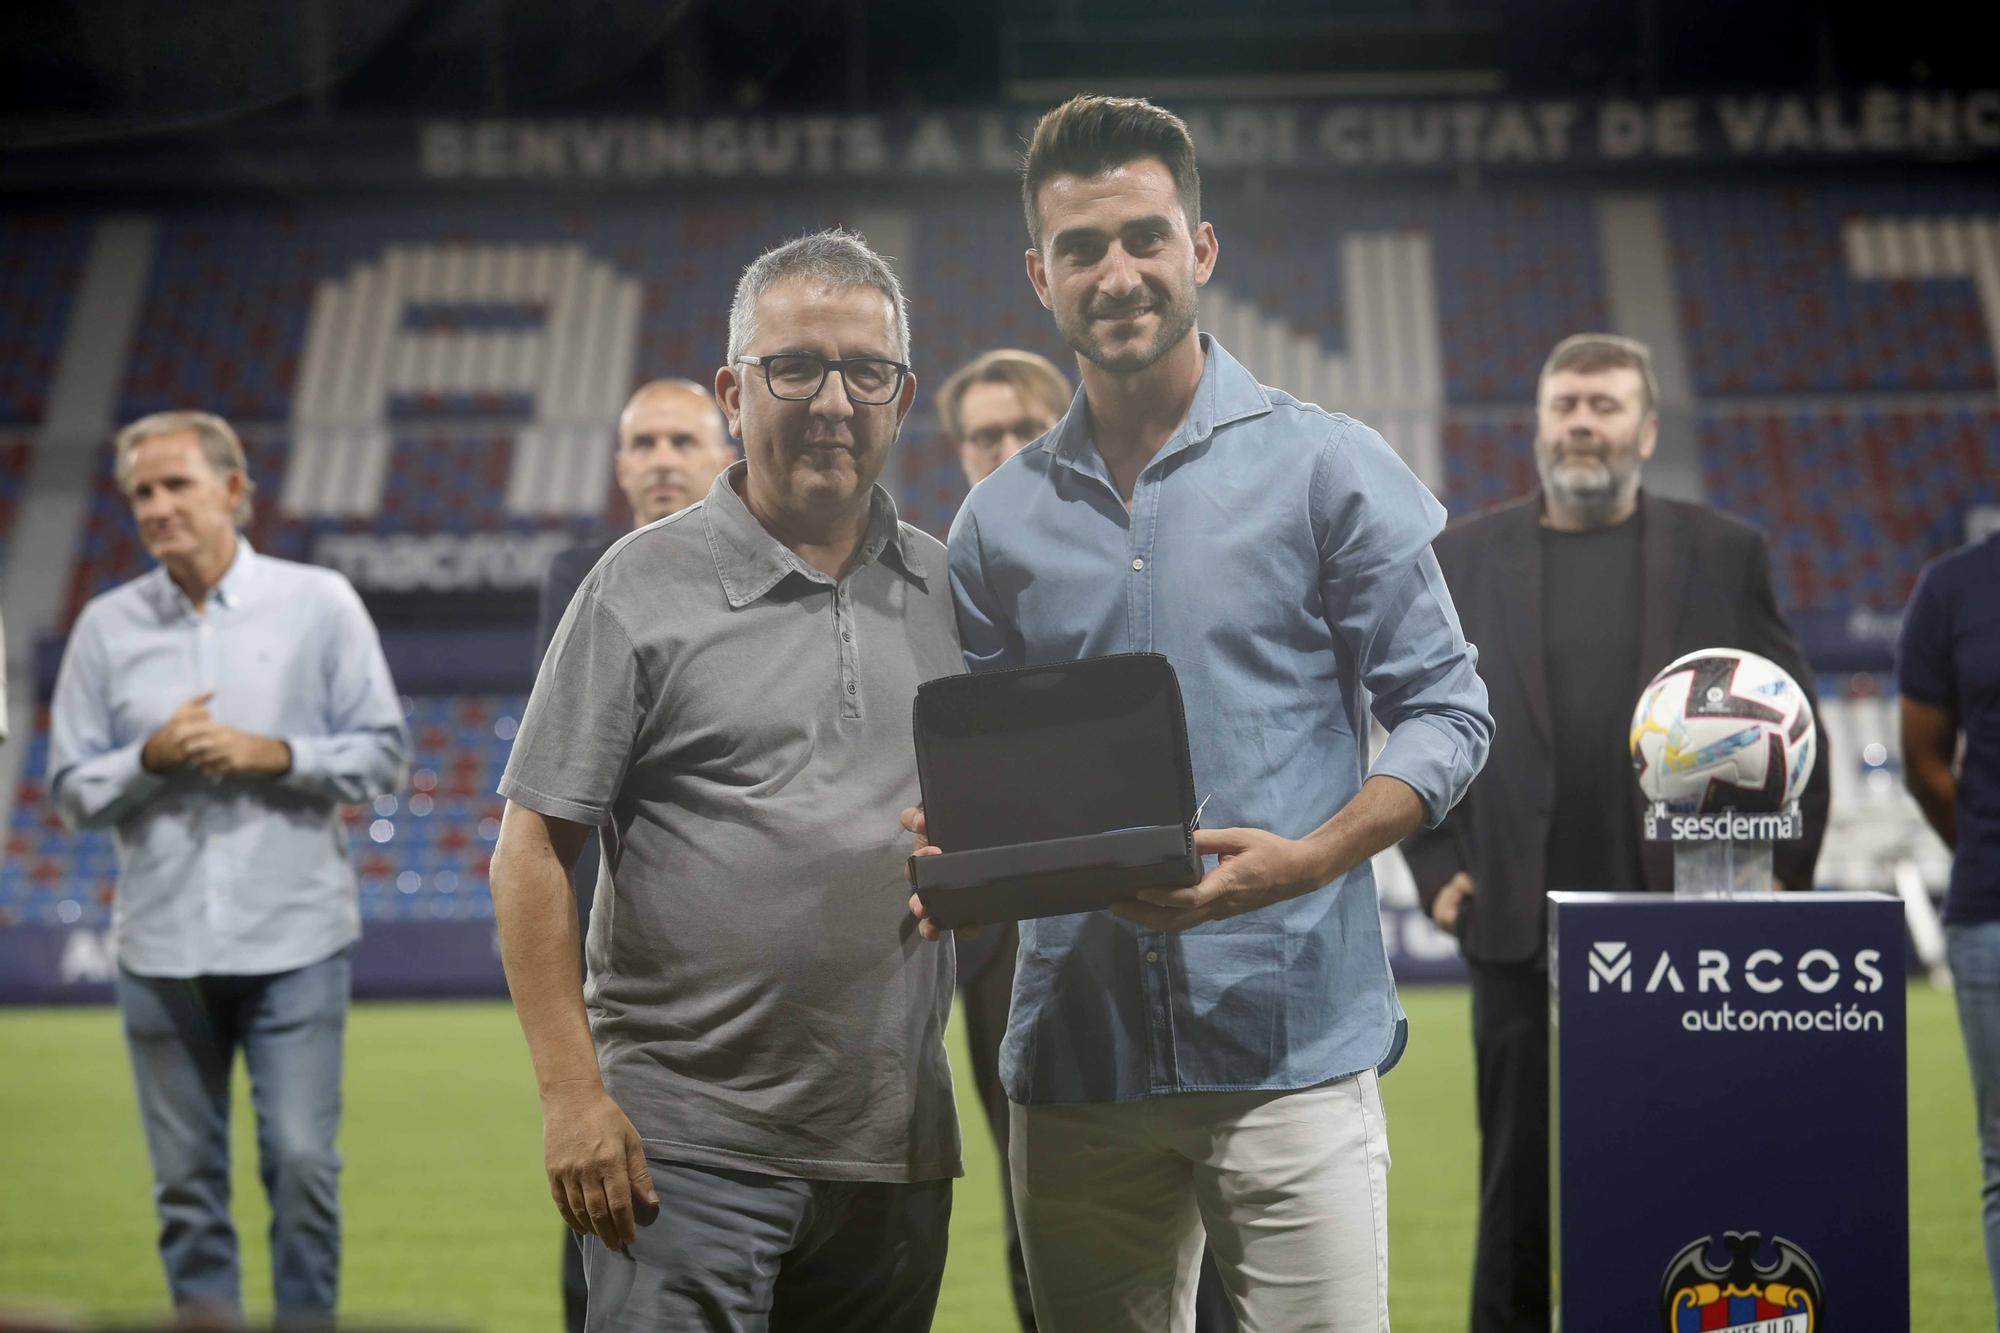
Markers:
(1053, 789)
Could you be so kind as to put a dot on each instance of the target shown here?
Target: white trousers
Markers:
(1291, 1188)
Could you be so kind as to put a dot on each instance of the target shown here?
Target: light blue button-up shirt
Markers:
(240, 875)
(1279, 556)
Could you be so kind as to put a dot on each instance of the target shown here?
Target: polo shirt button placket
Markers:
(843, 614)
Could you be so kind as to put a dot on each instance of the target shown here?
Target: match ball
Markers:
(1722, 729)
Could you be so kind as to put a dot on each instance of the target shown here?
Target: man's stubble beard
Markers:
(1177, 317)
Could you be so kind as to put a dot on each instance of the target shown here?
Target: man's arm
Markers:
(563, 777)
(1927, 680)
(1257, 868)
(1436, 855)
(1386, 600)
(1930, 744)
(595, 1161)
(1768, 634)
(96, 780)
(989, 640)
(365, 747)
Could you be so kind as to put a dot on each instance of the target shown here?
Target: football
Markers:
(1722, 729)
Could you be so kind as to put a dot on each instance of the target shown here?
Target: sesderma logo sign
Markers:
(1723, 826)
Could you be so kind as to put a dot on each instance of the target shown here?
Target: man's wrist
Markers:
(590, 1086)
(152, 762)
(1327, 856)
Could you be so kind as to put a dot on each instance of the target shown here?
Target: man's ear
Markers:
(729, 398)
(1038, 278)
(1207, 249)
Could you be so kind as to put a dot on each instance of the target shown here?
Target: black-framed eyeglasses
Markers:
(796, 376)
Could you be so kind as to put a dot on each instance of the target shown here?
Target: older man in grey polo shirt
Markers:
(763, 1136)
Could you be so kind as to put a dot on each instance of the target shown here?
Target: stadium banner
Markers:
(1441, 137)
(1842, 639)
(394, 960)
(1730, 1112)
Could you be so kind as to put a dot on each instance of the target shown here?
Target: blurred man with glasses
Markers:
(997, 404)
(747, 1112)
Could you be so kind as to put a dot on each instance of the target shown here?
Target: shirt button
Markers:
(1137, 563)
(850, 687)
(845, 637)
(1152, 956)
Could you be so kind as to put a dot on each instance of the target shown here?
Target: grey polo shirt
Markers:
(739, 725)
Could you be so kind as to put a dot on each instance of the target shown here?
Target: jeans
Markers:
(183, 1035)
(1973, 950)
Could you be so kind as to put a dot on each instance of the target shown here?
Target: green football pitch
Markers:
(448, 1223)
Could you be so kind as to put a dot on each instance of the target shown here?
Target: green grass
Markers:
(448, 1223)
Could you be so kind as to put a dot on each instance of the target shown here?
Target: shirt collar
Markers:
(238, 581)
(751, 562)
(1227, 393)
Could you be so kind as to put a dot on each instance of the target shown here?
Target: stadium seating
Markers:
(1853, 502)
(41, 259)
(15, 456)
(1770, 304)
(1488, 459)
(224, 321)
(1855, 488)
(440, 481)
(420, 854)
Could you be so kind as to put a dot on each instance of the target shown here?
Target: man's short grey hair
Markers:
(219, 446)
(836, 257)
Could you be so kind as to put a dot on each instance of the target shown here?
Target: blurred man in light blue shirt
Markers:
(1204, 1060)
(214, 714)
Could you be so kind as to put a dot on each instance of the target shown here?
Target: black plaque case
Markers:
(1053, 789)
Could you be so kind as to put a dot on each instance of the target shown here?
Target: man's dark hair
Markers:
(1588, 353)
(1088, 136)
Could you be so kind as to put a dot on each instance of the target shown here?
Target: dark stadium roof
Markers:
(98, 69)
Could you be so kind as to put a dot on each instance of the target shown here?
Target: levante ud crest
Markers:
(1742, 1296)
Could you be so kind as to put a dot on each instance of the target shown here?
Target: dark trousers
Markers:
(1510, 1043)
(738, 1252)
(986, 985)
(583, 880)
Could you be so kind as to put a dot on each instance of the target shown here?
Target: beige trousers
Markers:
(1291, 1189)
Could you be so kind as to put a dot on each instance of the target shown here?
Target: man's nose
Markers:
(831, 401)
(1120, 276)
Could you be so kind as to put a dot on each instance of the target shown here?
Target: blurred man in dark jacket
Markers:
(1576, 595)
